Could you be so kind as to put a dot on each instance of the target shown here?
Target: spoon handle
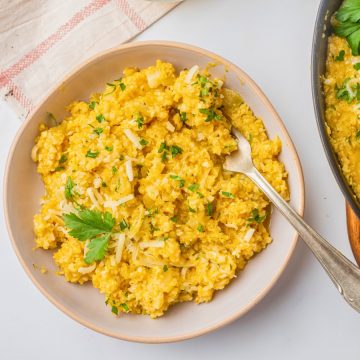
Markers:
(344, 274)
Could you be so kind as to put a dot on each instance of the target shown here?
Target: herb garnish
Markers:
(174, 219)
(92, 154)
(143, 142)
(211, 114)
(175, 150)
(183, 116)
(63, 159)
(69, 189)
(165, 268)
(98, 131)
(209, 209)
(357, 66)
(255, 217)
(227, 194)
(91, 225)
(193, 187)
(200, 228)
(358, 135)
(109, 148)
(179, 179)
(100, 118)
(92, 105)
(348, 24)
(341, 55)
(123, 225)
(140, 121)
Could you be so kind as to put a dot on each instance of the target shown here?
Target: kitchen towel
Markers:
(42, 40)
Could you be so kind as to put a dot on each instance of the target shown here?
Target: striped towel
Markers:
(42, 40)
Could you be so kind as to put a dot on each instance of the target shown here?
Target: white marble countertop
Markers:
(302, 316)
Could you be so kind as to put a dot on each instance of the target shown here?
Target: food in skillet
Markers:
(342, 91)
(137, 201)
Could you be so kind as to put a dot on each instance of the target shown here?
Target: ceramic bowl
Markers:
(23, 189)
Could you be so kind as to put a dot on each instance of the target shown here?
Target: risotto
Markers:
(342, 97)
(137, 201)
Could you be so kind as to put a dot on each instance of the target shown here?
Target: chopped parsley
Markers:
(63, 159)
(100, 118)
(92, 154)
(59, 168)
(358, 135)
(174, 219)
(175, 150)
(200, 228)
(123, 225)
(348, 24)
(114, 169)
(112, 90)
(103, 184)
(227, 194)
(109, 148)
(92, 105)
(342, 93)
(140, 121)
(98, 131)
(191, 209)
(91, 225)
(210, 114)
(255, 217)
(143, 142)
(69, 189)
(125, 307)
(357, 66)
(165, 268)
(341, 56)
(209, 209)
(114, 310)
(183, 116)
(163, 147)
(179, 179)
(193, 187)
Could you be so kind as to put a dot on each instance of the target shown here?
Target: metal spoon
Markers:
(344, 274)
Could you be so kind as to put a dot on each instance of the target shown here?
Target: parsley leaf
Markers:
(179, 179)
(92, 105)
(183, 117)
(348, 26)
(89, 223)
(163, 147)
(97, 248)
(123, 225)
(193, 187)
(92, 154)
(357, 66)
(341, 55)
(100, 118)
(175, 150)
(98, 131)
(211, 114)
(165, 268)
(109, 148)
(358, 135)
(69, 189)
(209, 209)
(255, 217)
(140, 121)
(143, 142)
(228, 194)
(200, 228)
(63, 159)
(125, 307)
(114, 310)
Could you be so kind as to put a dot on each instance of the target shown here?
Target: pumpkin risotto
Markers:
(137, 201)
(342, 97)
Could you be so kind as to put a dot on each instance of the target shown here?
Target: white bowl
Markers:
(23, 189)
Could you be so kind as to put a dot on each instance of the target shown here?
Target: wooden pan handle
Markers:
(353, 227)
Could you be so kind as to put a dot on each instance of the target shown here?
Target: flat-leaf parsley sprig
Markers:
(347, 24)
(92, 225)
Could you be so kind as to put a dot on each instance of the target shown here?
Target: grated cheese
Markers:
(249, 234)
(129, 170)
(152, 244)
(87, 269)
(119, 247)
(133, 138)
(191, 73)
(170, 126)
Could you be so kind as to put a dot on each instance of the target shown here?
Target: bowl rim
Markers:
(300, 179)
(321, 33)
